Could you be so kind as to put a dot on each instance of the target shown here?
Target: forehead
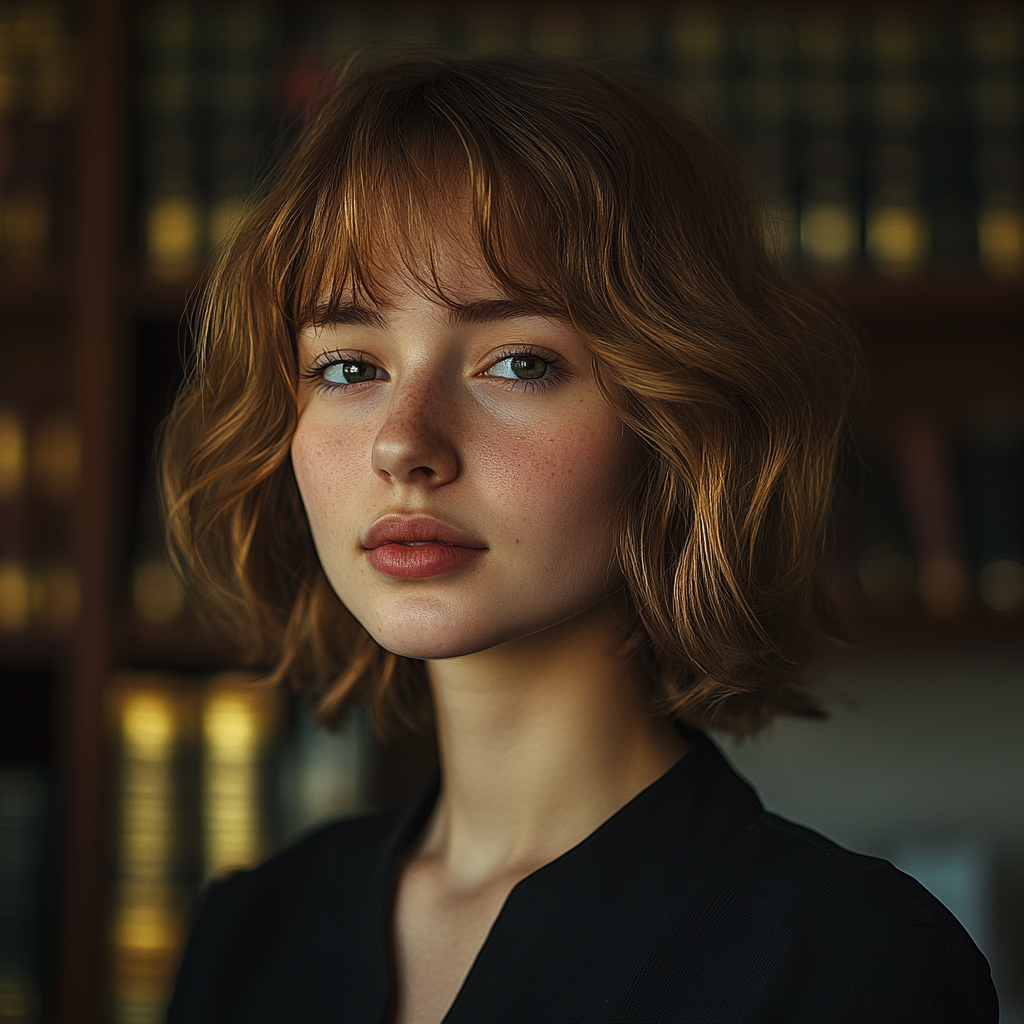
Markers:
(442, 265)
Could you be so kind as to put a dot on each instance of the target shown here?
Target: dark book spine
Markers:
(949, 148)
(995, 81)
(25, 799)
(37, 73)
(696, 55)
(235, 57)
(930, 498)
(171, 223)
(762, 105)
(829, 205)
(994, 496)
(897, 229)
(885, 561)
(15, 585)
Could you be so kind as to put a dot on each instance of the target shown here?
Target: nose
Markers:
(416, 444)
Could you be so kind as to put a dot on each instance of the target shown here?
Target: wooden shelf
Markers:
(161, 299)
(31, 287)
(185, 645)
(950, 302)
(946, 300)
(916, 630)
(34, 649)
(915, 331)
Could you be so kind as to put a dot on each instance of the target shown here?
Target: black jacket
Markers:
(689, 904)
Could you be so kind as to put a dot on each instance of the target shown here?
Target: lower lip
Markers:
(420, 562)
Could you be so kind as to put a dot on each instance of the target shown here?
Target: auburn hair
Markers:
(591, 194)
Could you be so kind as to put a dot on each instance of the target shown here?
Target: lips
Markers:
(418, 546)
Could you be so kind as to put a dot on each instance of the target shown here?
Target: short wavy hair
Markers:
(592, 195)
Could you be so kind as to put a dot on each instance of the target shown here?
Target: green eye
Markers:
(349, 373)
(521, 367)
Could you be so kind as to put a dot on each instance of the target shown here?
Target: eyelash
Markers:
(333, 358)
(549, 380)
(315, 373)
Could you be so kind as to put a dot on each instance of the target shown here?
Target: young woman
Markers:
(503, 419)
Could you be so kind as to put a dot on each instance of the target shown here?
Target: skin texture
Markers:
(544, 732)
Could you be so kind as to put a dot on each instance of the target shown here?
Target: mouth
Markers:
(419, 546)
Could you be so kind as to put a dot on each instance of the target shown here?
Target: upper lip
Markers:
(400, 527)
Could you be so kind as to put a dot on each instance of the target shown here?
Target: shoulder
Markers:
(303, 910)
(866, 941)
(819, 877)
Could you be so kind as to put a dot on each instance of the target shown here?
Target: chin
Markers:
(433, 631)
(426, 642)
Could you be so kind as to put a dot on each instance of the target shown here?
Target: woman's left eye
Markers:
(521, 366)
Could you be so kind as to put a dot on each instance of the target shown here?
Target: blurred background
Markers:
(136, 761)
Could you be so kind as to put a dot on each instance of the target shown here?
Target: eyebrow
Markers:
(483, 311)
(339, 315)
(487, 311)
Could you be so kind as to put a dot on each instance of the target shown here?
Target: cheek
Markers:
(326, 464)
(560, 487)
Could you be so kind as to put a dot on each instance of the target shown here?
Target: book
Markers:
(171, 224)
(240, 720)
(885, 561)
(897, 230)
(210, 778)
(949, 149)
(492, 28)
(40, 466)
(762, 107)
(27, 853)
(993, 473)
(37, 92)
(154, 718)
(235, 107)
(561, 30)
(827, 184)
(994, 83)
(15, 523)
(932, 507)
(25, 806)
(882, 137)
(695, 47)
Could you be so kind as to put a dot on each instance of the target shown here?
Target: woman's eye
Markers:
(521, 367)
(350, 373)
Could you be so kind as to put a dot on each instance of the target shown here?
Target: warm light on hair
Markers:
(591, 196)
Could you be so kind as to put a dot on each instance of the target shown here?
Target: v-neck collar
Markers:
(673, 828)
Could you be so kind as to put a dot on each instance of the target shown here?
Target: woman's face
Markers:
(460, 469)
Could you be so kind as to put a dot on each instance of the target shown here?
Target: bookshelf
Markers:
(942, 337)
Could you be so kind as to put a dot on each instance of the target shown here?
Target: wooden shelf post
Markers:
(98, 312)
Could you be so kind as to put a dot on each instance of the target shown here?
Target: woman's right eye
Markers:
(350, 372)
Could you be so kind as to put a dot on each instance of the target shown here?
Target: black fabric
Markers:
(690, 904)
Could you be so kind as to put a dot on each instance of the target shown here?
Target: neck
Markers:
(541, 740)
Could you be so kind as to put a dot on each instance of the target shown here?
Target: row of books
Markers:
(885, 139)
(28, 805)
(26, 800)
(38, 75)
(212, 774)
(938, 524)
(206, 105)
(40, 470)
